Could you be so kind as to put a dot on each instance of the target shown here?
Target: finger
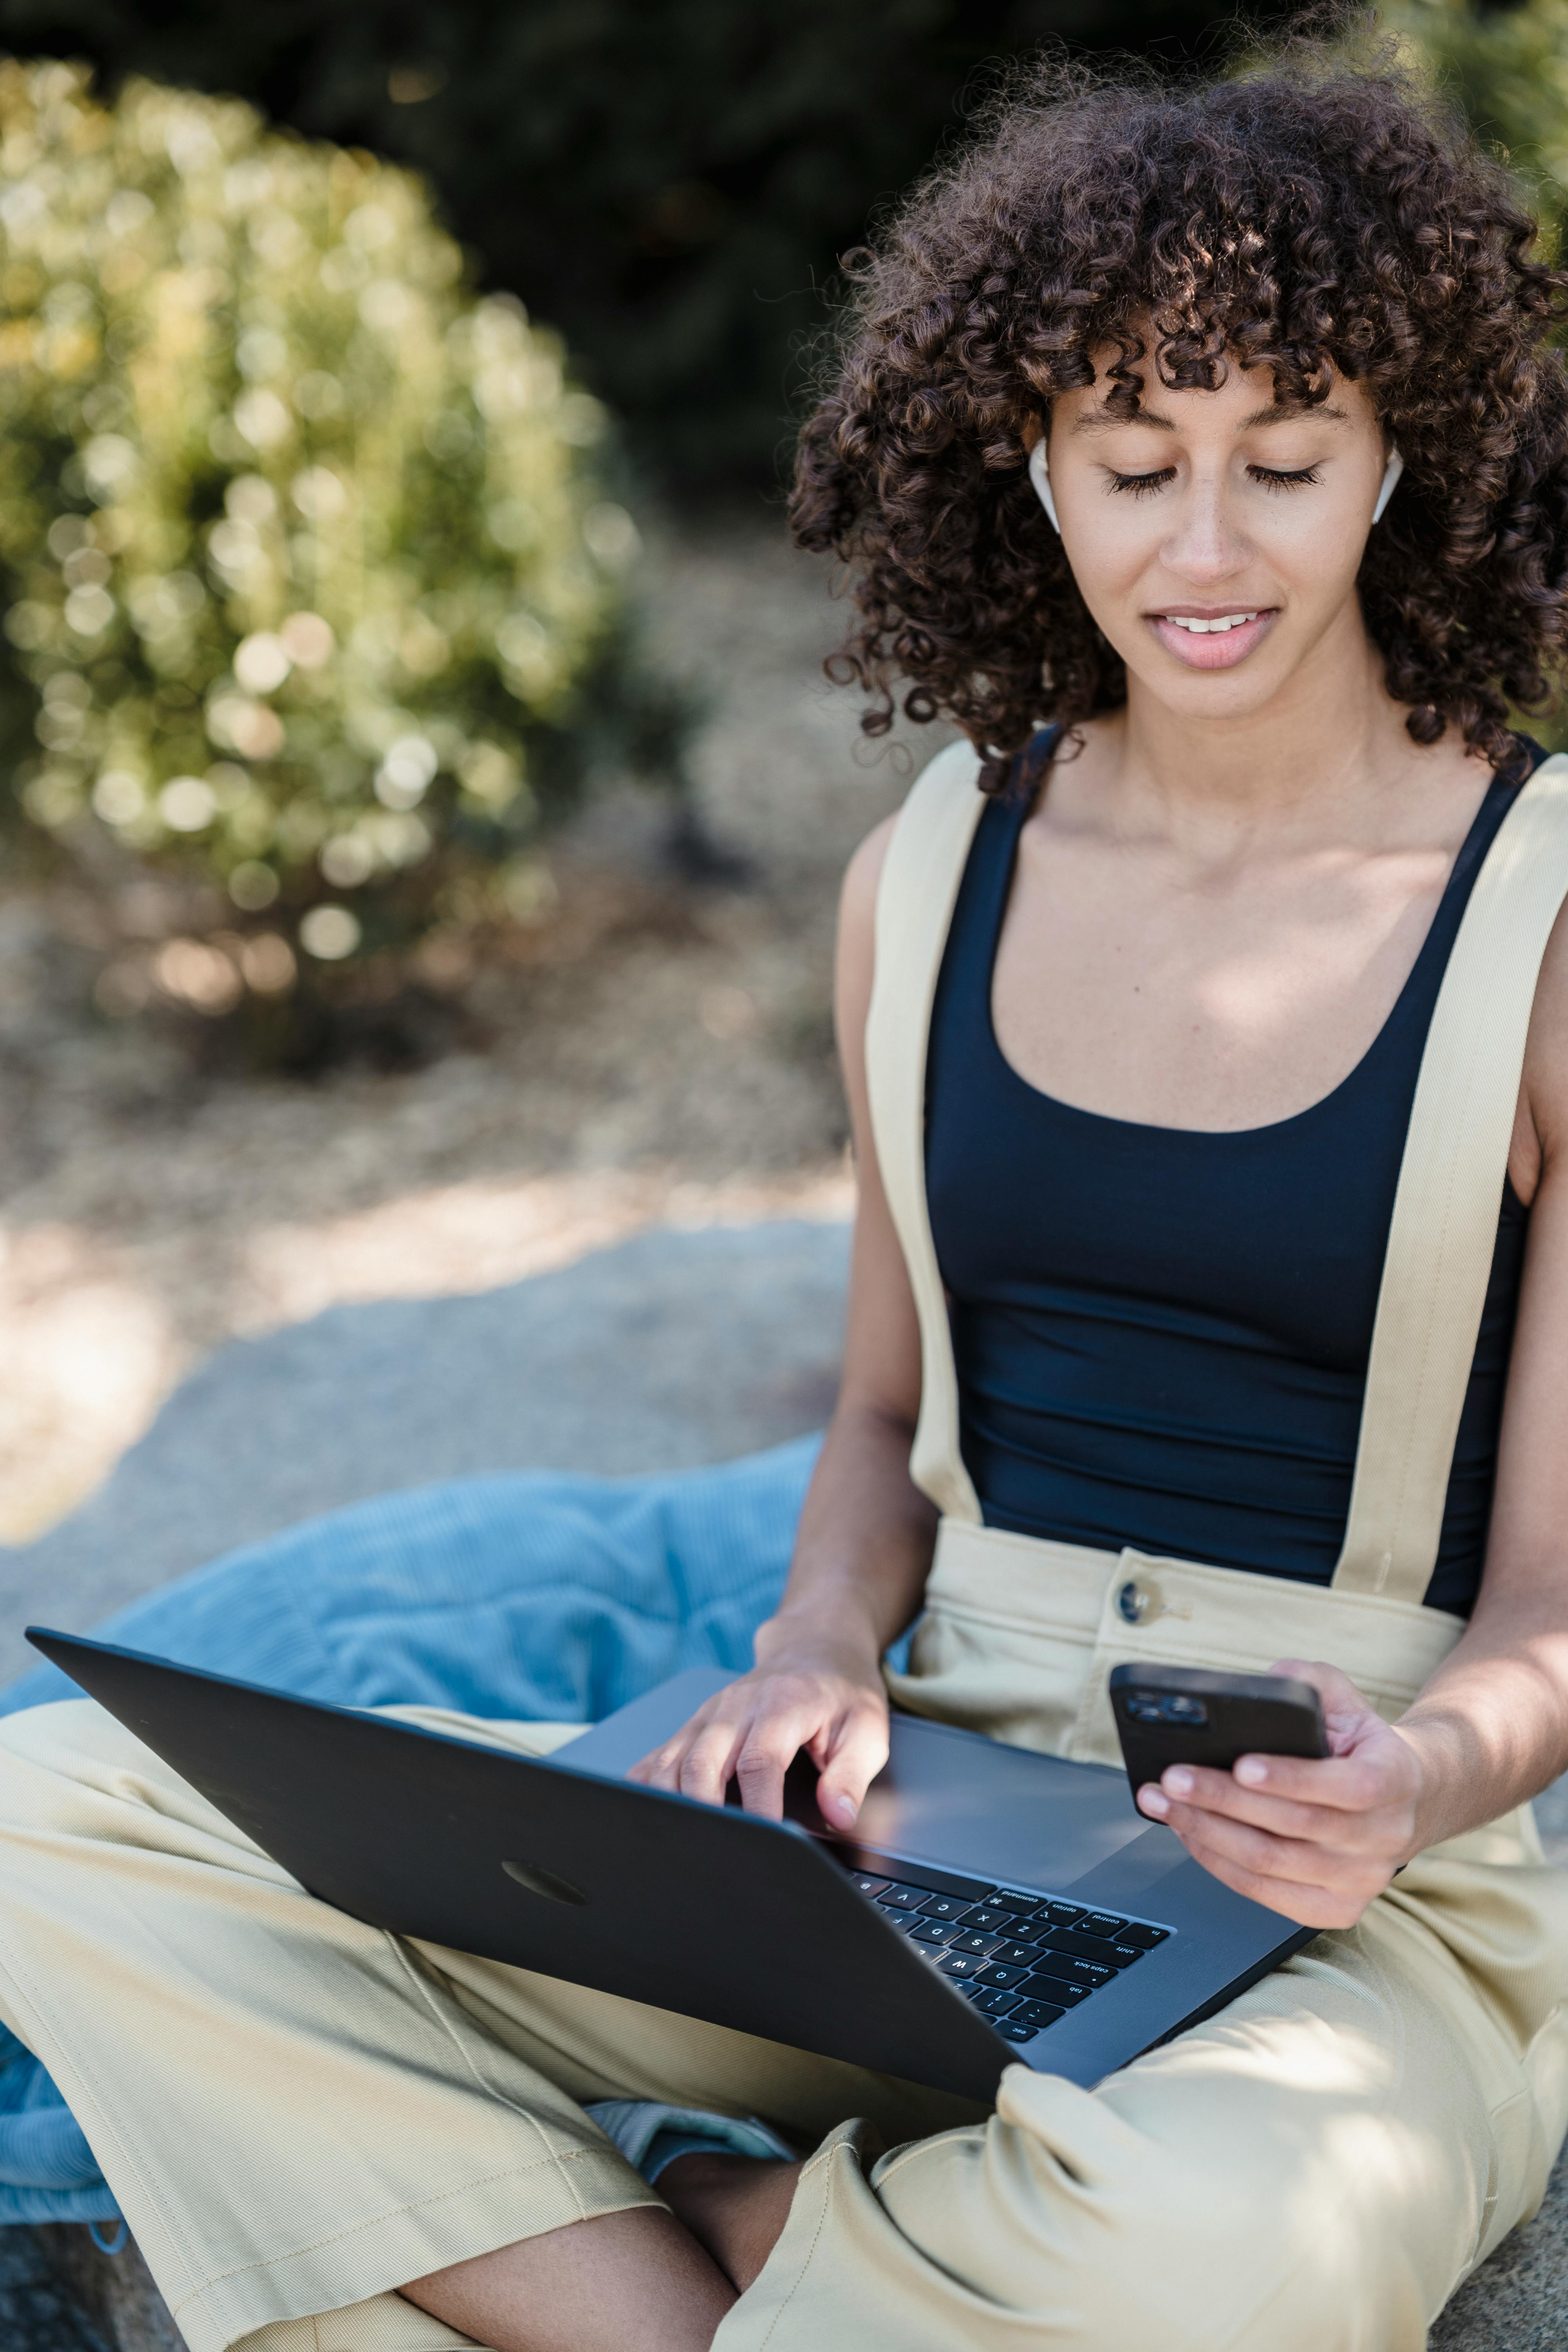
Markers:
(1313, 1824)
(1337, 1784)
(1308, 1906)
(771, 1746)
(1212, 1840)
(856, 1754)
(661, 1767)
(1342, 1704)
(704, 1771)
(1383, 1820)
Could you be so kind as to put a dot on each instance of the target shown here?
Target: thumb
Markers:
(858, 1753)
(1344, 1708)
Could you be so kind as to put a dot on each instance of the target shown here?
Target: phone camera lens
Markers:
(1144, 1710)
(1184, 1710)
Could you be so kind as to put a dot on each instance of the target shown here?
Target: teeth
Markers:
(1205, 629)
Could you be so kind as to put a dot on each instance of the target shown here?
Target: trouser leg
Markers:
(1314, 2170)
(296, 2112)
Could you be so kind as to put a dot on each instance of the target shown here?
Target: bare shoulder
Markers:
(858, 926)
(864, 871)
(1540, 1132)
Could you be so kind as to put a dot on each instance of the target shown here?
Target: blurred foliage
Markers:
(313, 586)
(670, 181)
(1508, 67)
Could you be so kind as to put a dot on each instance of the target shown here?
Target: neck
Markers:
(1322, 754)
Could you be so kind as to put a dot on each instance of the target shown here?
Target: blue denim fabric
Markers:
(534, 1596)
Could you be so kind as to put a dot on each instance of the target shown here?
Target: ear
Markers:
(1040, 475)
(1391, 473)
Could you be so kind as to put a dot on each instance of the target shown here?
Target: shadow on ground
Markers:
(673, 1350)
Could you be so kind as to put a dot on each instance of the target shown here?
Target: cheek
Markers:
(1112, 548)
(1313, 544)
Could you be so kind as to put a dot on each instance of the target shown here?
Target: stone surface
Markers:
(40, 2311)
(1517, 2302)
(112, 2296)
(673, 1349)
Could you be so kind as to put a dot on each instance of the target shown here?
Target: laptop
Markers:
(994, 1905)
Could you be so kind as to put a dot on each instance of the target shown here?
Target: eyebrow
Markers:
(1103, 420)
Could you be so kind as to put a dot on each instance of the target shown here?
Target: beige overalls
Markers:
(297, 2112)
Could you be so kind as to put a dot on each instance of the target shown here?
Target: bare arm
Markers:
(863, 1547)
(1490, 1729)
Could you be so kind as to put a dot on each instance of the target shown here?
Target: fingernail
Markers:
(840, 1810)
(1154, 1800)
(1252, 1771)
(1179, 1780)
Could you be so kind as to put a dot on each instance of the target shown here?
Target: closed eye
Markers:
(1140, 485)
(1269, 478)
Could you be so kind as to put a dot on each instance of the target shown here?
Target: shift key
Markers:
(1071, 1971)
(1086, 1947)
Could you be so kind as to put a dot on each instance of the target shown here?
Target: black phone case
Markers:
(1244, 1715)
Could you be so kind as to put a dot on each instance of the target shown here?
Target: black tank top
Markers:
(1162, 1335)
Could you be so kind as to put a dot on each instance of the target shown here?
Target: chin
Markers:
(1239, 693)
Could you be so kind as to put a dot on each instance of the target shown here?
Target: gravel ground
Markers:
(663, 1053)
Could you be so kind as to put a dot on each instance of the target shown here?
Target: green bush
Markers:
(313, 585)
(1508, 67)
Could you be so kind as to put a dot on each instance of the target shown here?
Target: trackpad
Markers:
(991, 1811)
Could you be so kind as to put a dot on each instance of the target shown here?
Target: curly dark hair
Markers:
(1308, 215)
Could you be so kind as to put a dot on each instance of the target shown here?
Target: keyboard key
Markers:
(970, 1940)
(1015, 1956)
(1043, 1988)
(986, 1917)
(994, 2001)
(1122, 1955)
(1074, 1971)
(961, 1964)
(898, 1898)
(866, 1884)
(1008, 1900)
(1034, 2014)
(1146, 1938)
(931, 1931)
(1013, 2032)
(1062, 1915)
(991, 1974)
(1087, 1948)
(1101, 1922)
(943, 1906)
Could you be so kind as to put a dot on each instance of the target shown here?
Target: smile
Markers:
(1212, 640)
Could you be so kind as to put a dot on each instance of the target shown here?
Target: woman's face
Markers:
(1217, 506)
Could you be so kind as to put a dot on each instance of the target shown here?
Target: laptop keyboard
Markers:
(1023, 1959)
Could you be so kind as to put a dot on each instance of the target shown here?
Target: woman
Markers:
(1202, 456)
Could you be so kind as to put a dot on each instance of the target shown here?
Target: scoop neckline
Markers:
(1222, 1134)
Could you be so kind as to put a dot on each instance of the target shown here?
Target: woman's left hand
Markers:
(1315, 1841)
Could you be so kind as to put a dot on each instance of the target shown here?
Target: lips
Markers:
(1213, 640)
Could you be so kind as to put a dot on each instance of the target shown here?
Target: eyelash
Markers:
(1140, 486)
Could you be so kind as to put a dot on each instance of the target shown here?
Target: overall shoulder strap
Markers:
(1443, 1232)
(915, 898)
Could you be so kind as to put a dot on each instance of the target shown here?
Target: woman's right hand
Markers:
(806, 1693)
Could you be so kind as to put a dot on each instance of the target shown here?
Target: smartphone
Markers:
(1189, 1715)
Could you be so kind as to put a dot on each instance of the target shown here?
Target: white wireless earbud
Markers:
(1040, 475)
(1391, 473)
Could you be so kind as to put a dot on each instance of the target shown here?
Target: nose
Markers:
(1206, 543)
